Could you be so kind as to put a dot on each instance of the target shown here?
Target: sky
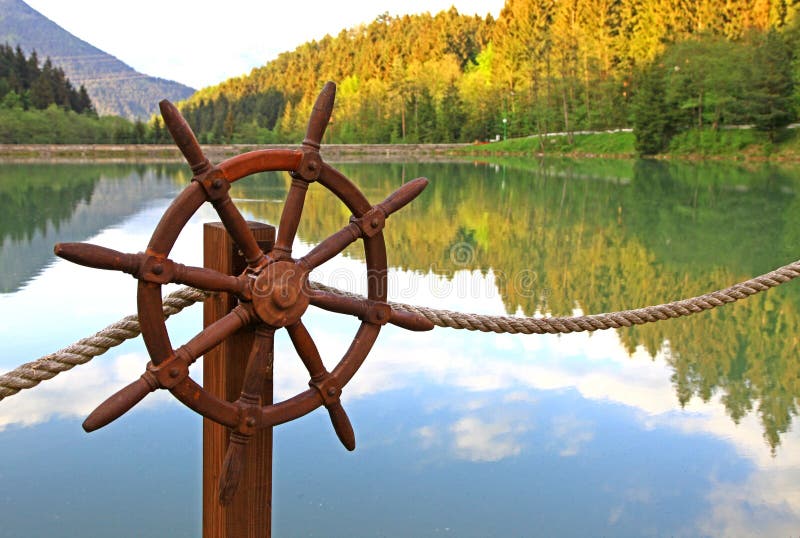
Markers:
(203, 43)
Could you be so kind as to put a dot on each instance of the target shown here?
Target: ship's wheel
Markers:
(273, 292)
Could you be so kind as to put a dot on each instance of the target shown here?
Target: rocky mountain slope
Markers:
(115, 88)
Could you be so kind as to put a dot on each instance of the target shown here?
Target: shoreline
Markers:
(110, 153)
(166, 153)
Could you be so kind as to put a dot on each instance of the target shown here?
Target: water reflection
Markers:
(42, 204)
(486, 434)
(608, 237)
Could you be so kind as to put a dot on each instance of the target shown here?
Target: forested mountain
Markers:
(542, 66)
(39, 105)
(115, 87)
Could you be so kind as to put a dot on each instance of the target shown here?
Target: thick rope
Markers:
(594, 322)
(32, 373)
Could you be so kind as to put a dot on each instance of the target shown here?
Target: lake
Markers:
(680, 428)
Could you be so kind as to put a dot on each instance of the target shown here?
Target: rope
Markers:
(32, 373)
(594, 322)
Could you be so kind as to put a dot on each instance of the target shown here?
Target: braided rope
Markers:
(32, 373)
(595, 322)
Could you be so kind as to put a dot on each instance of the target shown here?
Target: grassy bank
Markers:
(736, 144)
(614, 144)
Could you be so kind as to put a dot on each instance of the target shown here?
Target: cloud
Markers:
(478, 440)
(75, 394)
(766, 504)
(570, 433)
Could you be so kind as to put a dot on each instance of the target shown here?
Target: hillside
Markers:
(115, 88)
(540, 67)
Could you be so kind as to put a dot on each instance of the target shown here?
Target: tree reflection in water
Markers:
(603, 236)
(597, 235)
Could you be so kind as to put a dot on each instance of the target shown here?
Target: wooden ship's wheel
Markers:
(273, 292)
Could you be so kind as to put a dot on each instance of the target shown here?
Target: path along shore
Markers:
(164, 152)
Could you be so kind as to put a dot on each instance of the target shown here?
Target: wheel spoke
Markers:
(259, 364)
(122, 401)
(240, 232)
(97, 257)
(324, 382)
(232, 466)
(341, 424)
(184, 138)
(403, 195)
(290, 218)
(210, 280)
(341, 304)
(215, 333)
(320, 116)
(259, 368)
(307, 350)
(331, 246)
(369, 310)
(151, 269)
(118, 404)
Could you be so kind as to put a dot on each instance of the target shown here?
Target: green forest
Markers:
(681, 74)
(24, 84)
(662, 67)
(39, 104)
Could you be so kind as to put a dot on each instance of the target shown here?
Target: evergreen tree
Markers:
(653, 120)
(37, 86)
(770, 93)
(42, 94)
(22, 68)
(449, 117)
(83, 104)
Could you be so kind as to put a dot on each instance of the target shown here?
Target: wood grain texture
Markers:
(249, 515)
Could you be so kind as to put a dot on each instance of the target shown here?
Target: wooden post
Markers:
(249, 515)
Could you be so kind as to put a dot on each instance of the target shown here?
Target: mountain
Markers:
(115, 88)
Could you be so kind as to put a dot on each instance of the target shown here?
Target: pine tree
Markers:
(42, 94)
(770, 95)
(652, 118)
(84, 104)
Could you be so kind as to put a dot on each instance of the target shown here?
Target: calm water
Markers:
(681, 428)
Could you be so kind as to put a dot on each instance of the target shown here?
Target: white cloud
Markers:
(766, 504)
(570, 433)
(478, 440)
(76, 393)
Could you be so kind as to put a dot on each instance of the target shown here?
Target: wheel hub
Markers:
(279, 295)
